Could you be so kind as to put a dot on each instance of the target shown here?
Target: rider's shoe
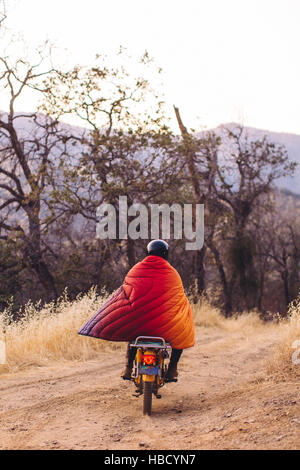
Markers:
(130, 355)
(171, 375)
(126, 374)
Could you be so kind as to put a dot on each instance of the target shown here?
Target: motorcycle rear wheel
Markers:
(147, 404)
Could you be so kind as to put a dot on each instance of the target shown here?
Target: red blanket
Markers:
(150, 302)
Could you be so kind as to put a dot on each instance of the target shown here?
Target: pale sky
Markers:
(223, 60)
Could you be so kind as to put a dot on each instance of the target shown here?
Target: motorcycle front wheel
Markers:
(147, 405)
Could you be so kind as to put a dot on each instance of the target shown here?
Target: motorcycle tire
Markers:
(147, 404)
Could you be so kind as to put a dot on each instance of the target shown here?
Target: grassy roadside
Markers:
(50, 334)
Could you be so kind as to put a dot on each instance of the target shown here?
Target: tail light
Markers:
(149, 359)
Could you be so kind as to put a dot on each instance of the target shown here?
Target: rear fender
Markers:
(148, 378)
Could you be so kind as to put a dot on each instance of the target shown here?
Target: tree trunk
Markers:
(34, 253)
(285, 278)
(44, 276)
(200, 270)
(199, 198)
(261, 291)
(227, 289)
(130, 252)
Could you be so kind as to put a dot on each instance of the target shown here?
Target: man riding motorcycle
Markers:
(150, 302)
(154, 248)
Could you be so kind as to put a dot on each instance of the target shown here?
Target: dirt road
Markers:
(220, 402)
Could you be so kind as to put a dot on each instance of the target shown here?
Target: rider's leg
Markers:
(172, 369)
(130, 355)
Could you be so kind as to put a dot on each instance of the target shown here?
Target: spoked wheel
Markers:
(147, 398)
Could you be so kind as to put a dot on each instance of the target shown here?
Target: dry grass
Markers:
(208, 316)
(50, 334)
(286, 332)
(281, 367)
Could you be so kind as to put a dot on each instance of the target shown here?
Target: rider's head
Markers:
(158, 248)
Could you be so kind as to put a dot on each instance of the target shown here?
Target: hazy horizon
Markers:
(222, 61)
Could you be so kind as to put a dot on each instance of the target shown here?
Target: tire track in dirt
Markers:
(86, 405)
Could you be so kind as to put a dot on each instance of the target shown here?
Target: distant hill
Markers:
(25, 126)
(291, 143)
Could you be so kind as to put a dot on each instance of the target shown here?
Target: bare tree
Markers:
(28, 161)
(2, 12)
(128, 145)
(278, 242)
(200, 156)
(245, 173)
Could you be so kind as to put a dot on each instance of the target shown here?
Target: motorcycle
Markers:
(149, 371)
